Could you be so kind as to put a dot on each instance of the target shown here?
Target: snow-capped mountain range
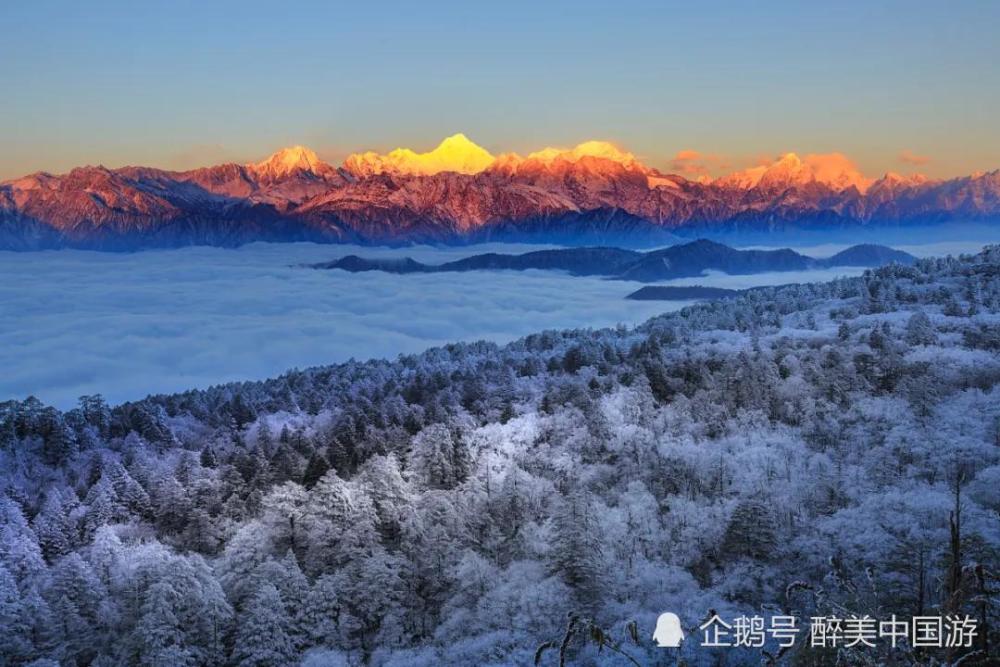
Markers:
(459, 192)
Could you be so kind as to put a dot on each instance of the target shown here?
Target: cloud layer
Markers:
(125, 325)
(909, 157)
(699, 166)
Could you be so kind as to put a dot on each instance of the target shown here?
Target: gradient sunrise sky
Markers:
(900, 86)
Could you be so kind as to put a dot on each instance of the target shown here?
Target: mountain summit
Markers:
(289, 161)
(455, 154)
(833, 170)
(593, 193)
(603, 150)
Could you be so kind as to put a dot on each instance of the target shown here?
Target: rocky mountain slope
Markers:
(593, 193)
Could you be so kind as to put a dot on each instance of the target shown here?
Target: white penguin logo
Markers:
(668, 633)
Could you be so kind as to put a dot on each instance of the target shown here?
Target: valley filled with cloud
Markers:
(126, 325)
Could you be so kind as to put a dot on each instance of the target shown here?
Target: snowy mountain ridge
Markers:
(460, 193)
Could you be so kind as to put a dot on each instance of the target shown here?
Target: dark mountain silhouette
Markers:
(868, 254)
(679, 261)
(671, 293)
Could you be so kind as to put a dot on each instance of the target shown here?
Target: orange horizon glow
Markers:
(690, 89)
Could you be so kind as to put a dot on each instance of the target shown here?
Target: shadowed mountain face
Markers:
(679, 261)
(593, 194)
(671, 293)
(577, 261)
(868, 254)
(693, 259)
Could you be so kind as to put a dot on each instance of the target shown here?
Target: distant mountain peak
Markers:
(459, 191)
(456, 153)
(458, 142)
(459, 154)
(835, 170)
(290, 160)
(904, 179)
(598, 149)
(602, 158)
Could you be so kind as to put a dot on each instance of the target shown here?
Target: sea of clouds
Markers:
(126, 325)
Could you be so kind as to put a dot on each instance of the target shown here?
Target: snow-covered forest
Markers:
(822, 449)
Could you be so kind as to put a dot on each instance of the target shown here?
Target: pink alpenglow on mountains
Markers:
(459, 192)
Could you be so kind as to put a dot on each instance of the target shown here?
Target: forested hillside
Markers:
(826, 449)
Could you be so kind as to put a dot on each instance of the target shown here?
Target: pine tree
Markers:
(370, 589)
(96, 413)
(243, 554)
(207, 458)
(159, 633)
(42, 626)
(75, 579)
(919, 330)
(216, 620)
(131, 493)
(283, 509)
(73, 635)
(286, 464)
(383, 481)
(436, 460)
(751, 531)
(321, 612)
(576, 551)
(265, 440)
(242, 412)
(173, 506)
(293, 586)
(201, 533)
(53, 527)
(19, 551)
(15, 631)
(315, 469)
(104, 553)
(262, 635)
(103, 506)
(60, 445)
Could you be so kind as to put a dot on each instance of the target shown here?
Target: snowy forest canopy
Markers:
(813, 449)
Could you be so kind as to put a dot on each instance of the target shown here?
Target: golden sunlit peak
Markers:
(455, 153)
(834, 170)
(289, 160)
(459, 154)
(789, 160)
(458, 142)
(597, 149)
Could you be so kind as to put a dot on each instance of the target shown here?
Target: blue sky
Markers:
(182, 84)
